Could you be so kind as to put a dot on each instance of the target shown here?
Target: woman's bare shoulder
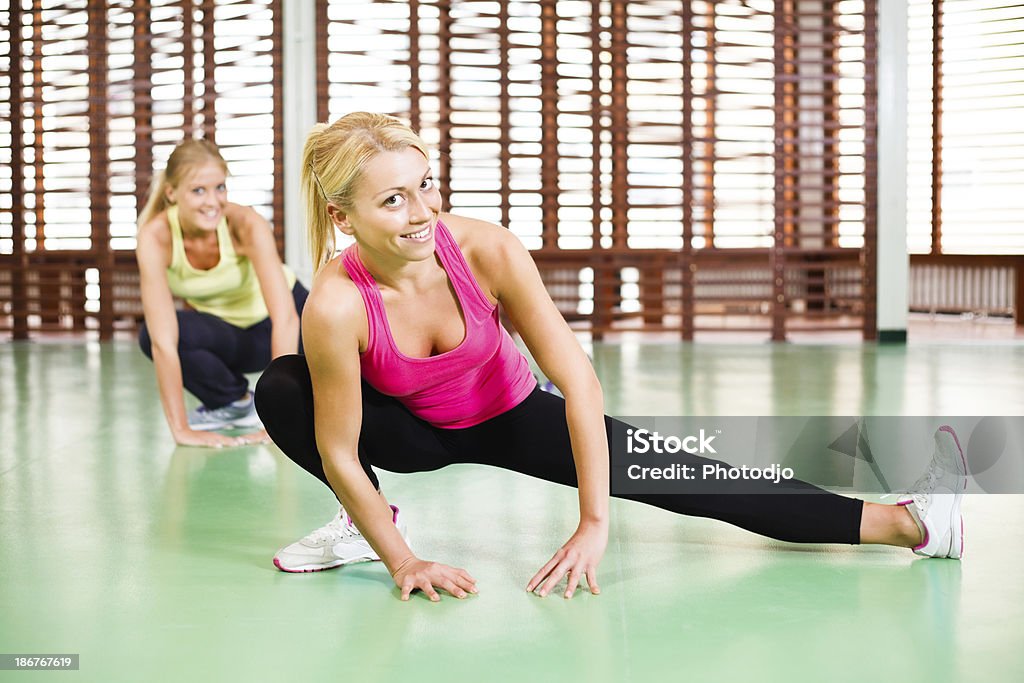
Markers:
(477, 238)
(464, 227)
(489, 249)
(244, 221)
(154, 237)
(156, 227)
(335, 305)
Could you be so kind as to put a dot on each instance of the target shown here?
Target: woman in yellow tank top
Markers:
(242, 304)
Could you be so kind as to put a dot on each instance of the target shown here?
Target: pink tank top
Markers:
(482, 377)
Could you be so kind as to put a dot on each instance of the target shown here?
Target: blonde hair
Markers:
(186, 157)
(332, 166)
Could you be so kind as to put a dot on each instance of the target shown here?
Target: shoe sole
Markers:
(210, 426)
(246, 423)
(956, 519)
(306, 569)
(253, 422)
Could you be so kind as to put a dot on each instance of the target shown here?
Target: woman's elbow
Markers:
(287, 319)
(163, 347)
(584, 384)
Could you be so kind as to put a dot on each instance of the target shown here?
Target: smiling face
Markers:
(200, 197)
(394, 208)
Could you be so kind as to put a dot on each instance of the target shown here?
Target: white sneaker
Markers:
(934, 501)
(335, 544)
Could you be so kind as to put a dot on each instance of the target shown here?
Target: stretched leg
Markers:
(889, 525)
(533, 439)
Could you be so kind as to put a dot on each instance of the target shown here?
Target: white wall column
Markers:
(299, 62)
(893, 259)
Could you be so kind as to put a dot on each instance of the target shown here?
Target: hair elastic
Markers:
(317, 179)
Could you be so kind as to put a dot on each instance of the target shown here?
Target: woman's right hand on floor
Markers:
(419, 574)
(192, 437)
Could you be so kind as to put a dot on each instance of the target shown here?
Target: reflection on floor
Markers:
(153, 562)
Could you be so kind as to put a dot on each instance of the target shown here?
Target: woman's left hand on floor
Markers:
(578, 557)
(252, 438)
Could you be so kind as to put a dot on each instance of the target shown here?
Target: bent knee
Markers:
(283, 386)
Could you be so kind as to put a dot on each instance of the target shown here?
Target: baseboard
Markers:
(892, 336)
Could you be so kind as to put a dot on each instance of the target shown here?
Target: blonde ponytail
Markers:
(333, 159)
(320, 227)
(156, 201)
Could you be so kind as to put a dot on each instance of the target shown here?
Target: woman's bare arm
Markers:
(256, 241)
(162, 325)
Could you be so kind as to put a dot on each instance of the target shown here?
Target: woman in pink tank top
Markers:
(408, 369)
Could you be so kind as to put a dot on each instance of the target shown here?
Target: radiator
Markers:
(962, 289)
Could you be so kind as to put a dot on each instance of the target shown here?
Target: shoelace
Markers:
(921, 488)
(927, 480)
(924, 486)
(334, 529)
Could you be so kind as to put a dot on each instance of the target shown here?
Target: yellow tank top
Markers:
(230, 290)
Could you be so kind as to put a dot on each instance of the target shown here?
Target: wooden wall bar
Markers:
(99, 167)
(19, 260)
(762, 137)
(937, 16)
(323, 82)
(549, 123)
(110, 82)
(209, 31)
(869, 252)
(142, 87)
(686, 265)
(444, 94)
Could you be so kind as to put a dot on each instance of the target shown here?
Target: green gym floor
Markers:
(153, 562)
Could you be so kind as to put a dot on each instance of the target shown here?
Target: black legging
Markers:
(215, 354)
(532, 439)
